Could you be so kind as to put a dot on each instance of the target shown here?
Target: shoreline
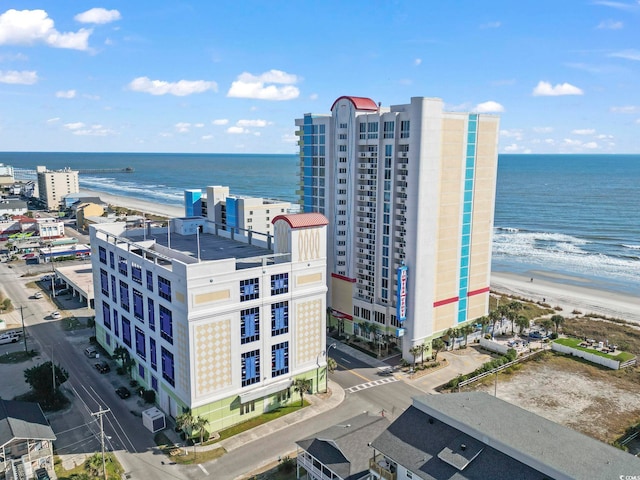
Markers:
(555, 289)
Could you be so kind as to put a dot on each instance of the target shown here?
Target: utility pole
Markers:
(99, 414)
(53, 374)
(24, 332)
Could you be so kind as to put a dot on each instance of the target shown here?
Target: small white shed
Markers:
(153, 419)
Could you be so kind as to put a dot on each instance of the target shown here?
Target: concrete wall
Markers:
(613, 364)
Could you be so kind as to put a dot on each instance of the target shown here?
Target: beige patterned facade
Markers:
(212, 357)
(310, 318)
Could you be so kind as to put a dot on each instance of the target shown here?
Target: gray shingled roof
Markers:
(344, 448)
(515, 441)
(23, 420)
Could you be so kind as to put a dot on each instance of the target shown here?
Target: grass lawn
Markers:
(113, 467)
(575, 342)
(17, 357)
(186, 455)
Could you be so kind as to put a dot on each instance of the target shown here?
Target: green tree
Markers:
(186, 422)
(415, 351)
(331, 364)
(93, 465)
(512, 312)
(495, 316)
(522, 322)
(199, 425)
(40, 378)
(437, 345)
(557, 321)
(301, 386)
(466, 330)
(547, 323)
(484, 322)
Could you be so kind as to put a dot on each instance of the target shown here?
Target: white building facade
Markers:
(53, 185)
(409, 191)
(216, 325)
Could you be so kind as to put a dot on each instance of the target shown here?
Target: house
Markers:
(473, 435)
(85, 210)
(340, 452)
(25, 440)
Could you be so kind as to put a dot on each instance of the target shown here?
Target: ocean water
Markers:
(573, 217)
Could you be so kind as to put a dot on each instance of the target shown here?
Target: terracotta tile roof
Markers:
(360, 103)
(303, 220)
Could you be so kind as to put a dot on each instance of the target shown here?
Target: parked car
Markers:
(123, 392)
(42, 474)
(9, 337)
(37, 295)
(103, 367)
(90, 352)
(56, 315)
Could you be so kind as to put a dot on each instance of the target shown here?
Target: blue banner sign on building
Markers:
(401, 303)
(400, 332)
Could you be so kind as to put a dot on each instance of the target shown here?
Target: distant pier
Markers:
(106, 170)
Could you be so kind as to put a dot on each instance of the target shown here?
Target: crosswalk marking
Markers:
(374, 383)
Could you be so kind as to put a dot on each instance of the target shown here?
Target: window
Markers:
(247, 407)
(106, 315)
(141, 371)
(164, 288)
(136, 273)
(114, 293)
(126, 332)
(342, 148)
(154, 383)
(116, 323)
(279, 318)
(404, 128)
(167, 367)
(122, 266)
(124, 295)
(141, 349)
(138, 305)
(152, 353)
(102, 255)
(104, 282)
(409, 475)
(388, 129)
(280, 359)
(150, 281)
(250, 367)
(249, 289)
(279, 283)
(166, 324)
(152, 314)
(250, 325)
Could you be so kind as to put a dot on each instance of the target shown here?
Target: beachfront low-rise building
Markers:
(219, 322)
(54, 185)
(235, 211)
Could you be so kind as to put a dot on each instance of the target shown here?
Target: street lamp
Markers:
(326, 375)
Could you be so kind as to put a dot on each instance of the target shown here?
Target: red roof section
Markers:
(303, 220)
(360, 103)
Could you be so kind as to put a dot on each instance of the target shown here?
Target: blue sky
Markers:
(221, 76)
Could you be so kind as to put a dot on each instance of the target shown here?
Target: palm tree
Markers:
(547, 323)
(199, 425)
(495, 316)
(513, 308)
(522, 322)
(557, 320)
(301, 385)
(437, 345)
(185, 422)
(484, 321)
(331, 364)
(466, 330)
(415, 351)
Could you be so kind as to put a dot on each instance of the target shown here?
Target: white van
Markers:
(9, 337)
(90, 352)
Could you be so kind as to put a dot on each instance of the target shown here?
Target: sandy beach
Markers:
(552, 291)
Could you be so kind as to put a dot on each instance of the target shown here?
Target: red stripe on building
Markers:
(342, 277)
(447, 301)
(478, 292)
(339, 314)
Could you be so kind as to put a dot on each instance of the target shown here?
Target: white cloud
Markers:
(590, 145)
(67, 94)
(21, 78)
(543, 129)
(290, 138)
(252, 123)
(92, 131)
(206, 137)
(257, 134)
(603, 136)
(491, 25)
(198, 125)
(237, 130)
(583, 131)
(27, 27)
(515, 148)
(313, 96)
(489, 107)
(179, 89)
(617, 5)
(627, 54)
(610, 25)
(91, 97)
(264, 86)
(625, 109)
(549, 141)
(417, 61)
(182, 127)
(98, 15)
(220, 121)
(74, 126)
(544, 89)
(569, 142)
(13, 57)
(512, 133)
(53, 120)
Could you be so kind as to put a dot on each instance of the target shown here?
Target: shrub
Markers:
(121, 371)
(149, 396)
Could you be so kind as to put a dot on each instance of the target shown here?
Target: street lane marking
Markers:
(355, 373)
(203, 469)
(375, 383)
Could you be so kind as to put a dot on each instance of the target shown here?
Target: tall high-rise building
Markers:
(409, 192)
(53, 185)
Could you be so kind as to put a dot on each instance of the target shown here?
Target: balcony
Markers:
(383, 469)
